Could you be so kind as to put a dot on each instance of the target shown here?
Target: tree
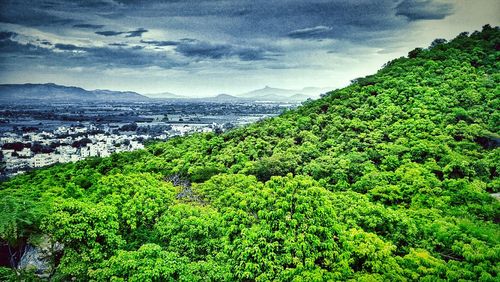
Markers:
(89, 232)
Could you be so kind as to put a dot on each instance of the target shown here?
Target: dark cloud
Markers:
(424, 9)
(68, 47)
(4, 35)
(109, 33)
(160, 43)
(69, 55)
(273, 18)
(17, 51)
(94, 4)
(188, 40)
(89, 26)
(204, 50)
(118, 44)
(356, 20)
(310, 32)
(128, 57)
(133, 33)
(201, 49)
(30, 13)
(44, 42)
(136, 33)
(245, 18)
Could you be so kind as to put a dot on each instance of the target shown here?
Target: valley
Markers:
(37, 135)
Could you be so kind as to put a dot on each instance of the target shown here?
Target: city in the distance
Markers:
(45, 124)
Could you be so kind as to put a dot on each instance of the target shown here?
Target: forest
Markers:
(388, 179)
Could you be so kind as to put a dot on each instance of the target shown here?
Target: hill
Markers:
(266, 91)
(165, 95)
(51, 92)
(387, 179)
(223, 98)
(283, 95)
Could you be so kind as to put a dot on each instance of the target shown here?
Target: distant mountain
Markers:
(224, 97)
(315, 92)
(165, 95)
(264, 94)
(283, 95)
(268, 92)
(221, 98)
(299, 97)
(51, 92)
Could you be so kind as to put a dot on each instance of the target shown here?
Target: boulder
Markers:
(40, 257)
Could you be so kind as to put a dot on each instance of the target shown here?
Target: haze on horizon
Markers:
(202, 48)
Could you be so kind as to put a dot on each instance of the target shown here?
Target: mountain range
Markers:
(267, 93)
(52, 92)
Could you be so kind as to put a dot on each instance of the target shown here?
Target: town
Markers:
(34, 136)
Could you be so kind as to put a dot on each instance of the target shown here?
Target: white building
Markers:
(84, 152)
(42, 160)
(67, 150)
(34, 137)
(62, 130)
(7, 153)
(25, 152)
(15, 163)
(9, 139)
(134, 145)
(79, 130)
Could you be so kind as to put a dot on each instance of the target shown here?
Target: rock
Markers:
(40, 257)
(33, 259)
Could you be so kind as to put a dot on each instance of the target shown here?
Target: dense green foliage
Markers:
(385, 180)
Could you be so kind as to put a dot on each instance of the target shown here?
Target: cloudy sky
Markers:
(206, 47)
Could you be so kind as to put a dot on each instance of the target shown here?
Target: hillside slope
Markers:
(384, 180)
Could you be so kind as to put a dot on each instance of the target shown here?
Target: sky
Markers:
(206, 47)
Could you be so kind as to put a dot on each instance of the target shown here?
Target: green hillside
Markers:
(388, 179)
